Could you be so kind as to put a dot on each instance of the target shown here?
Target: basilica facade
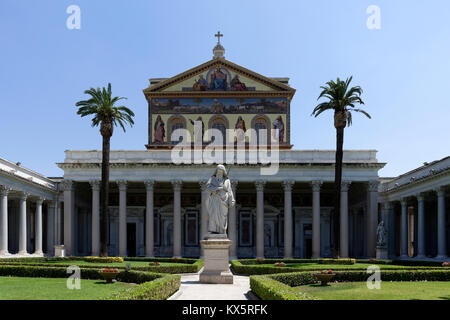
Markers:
(157, 205)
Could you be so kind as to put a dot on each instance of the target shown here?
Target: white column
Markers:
(389, 223)
(343, 252)
(441, 223)
(122, 217)
(95, 237)
(177, 184)
(287, 186)
(59, 218)
(38, 227)
(203, 211)
(23, 224)
(316, 219)
(232, 229)
(420, 227)
(4, 220)
(51, 214)
(260, 218)
(68, 206)
(149, 220)
(373, 218)
(404, 229)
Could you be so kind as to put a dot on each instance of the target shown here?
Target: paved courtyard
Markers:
(192, 289)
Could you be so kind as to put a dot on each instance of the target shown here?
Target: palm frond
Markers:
(102, 106)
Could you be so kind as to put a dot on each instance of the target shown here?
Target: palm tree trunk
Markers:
(337, 187)
(104, 197)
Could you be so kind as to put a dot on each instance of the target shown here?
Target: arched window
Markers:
(261, 123)
(220, 123)
(175, 122)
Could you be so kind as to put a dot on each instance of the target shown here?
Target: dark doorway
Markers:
(131, 239)
(307, 236)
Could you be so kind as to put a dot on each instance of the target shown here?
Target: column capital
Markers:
(234, 185)
(122, 184)
(203, 183)
(259, 184)
(404, 201)
(95, 185)
(51, 204)
(373, 185)
(420, 197)
(24, 196)
(67, 185)
(345, 185)
(387, 205)
(39, 201)
(440, 191)
(316, 184)
(4, 190)
(287, 185)
(149, 184)
(177, 184)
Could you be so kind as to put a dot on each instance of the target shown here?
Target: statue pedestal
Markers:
(382, 253)
(60, 251)
(216, 257)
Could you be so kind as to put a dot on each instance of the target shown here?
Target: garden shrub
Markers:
(275, 286)
(36, 259)
(103, 259)
(337, 261)
(158, 289)
(267, 288)
(174, 267)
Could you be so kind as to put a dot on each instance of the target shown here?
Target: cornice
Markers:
(276, 85)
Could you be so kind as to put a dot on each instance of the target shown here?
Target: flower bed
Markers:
(109, 274)
(103, 259)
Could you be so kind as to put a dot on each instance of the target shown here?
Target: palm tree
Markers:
(102, 106)
(342, 100)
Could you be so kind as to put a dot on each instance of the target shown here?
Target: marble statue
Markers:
(381, 235)
(220, 198)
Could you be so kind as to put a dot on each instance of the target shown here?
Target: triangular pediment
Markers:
(218, 75)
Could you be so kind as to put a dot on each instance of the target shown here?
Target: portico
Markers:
(28, 203)
(415, 205)
(166, 203)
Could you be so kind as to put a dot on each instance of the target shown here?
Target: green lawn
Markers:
(318, 266)
(422, 290)
(21, 288)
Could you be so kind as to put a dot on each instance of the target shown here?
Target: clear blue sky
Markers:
(403, 68)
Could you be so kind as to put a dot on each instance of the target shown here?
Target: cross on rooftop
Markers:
(218, 35)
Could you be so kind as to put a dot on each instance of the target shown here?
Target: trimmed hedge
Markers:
(240, 267)
(158, 289)
(275, 286)
(37, 259)
(252, 267)
(130, 276)
(151, 286)
(181, 266)
(103, 259)
(267, 288)
(170, 260)
(337, 261)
